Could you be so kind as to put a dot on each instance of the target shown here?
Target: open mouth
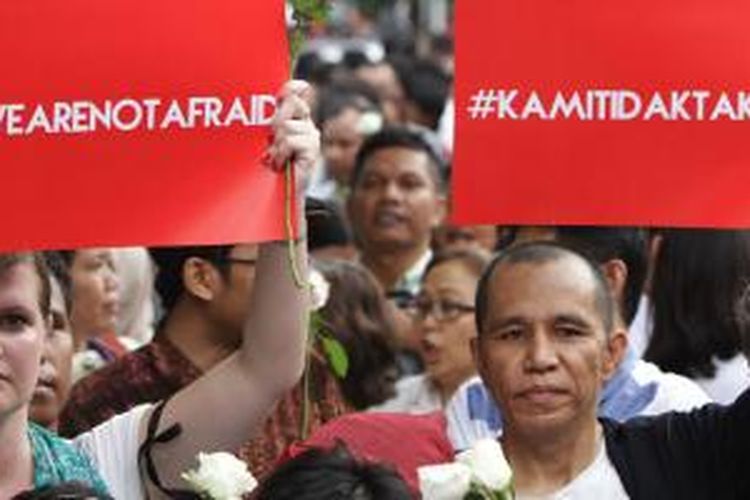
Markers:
(388, 218)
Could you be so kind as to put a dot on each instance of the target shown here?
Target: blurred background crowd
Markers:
(135, 325)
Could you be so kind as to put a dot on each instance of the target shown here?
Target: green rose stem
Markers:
(304, 12)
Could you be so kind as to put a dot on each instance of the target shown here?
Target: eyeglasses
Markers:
(442, 310)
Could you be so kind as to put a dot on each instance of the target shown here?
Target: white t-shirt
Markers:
(113, 449)
(598, 481)
(674, 393)
(415, 394)
(731, 379)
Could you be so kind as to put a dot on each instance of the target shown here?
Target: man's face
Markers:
(543, 351)
(395, 202)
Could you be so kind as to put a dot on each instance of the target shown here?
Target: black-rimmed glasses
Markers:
(442, 310)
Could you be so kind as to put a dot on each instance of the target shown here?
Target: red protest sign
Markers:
(613, 113)
(139, 122)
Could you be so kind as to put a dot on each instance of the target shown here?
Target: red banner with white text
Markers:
(139, 122)
(611, 113)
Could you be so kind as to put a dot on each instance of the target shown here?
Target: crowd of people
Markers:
(610, 362)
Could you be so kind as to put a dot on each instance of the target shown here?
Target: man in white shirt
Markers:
(397, 198)
(637, 388)
(547, 341)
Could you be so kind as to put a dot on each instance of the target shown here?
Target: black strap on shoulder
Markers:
(145, 460)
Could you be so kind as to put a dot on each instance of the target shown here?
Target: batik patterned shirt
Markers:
(159, 369)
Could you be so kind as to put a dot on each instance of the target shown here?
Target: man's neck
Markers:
(196, 337)
(389, 267)
(543, 464)
(16, 459)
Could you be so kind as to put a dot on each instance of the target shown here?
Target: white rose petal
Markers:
(221, 476)
(370, 123)
(444, 481)
(319, 290)
(488, 464)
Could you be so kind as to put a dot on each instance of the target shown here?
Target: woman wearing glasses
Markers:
(443, 313)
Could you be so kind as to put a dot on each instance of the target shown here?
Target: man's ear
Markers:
(617, 346)
(200, 278)
(616, 272)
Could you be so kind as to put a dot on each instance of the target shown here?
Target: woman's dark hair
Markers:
(357, 315)
(67, 491)
(333, 474)
(698, 278)
(474, 260)
(743, 319)
(59, 268)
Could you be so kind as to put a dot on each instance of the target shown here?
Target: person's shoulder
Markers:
(414, 394)
(112, 389)
(674, 392)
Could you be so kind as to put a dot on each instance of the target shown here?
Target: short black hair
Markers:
(333, 474)
(413, 138)
(541, 252)
(603, 244)
(345, 94)
(427, 85)
(170, 261)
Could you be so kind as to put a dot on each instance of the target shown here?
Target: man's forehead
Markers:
(397, 156)
(565, 280)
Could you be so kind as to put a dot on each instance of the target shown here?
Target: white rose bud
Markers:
(487, 462)
(221, 476)
(319, 289)
(444, 481)
(370, 123)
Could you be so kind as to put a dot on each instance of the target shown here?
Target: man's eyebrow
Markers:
(573, 319)
(504, 322)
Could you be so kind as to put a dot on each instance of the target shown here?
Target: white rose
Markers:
(488, 464)
(319, 289)
(370, 123)
(85, 363)
(444, 481)
(221, 476)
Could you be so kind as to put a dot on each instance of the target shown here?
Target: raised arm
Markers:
(226, 406)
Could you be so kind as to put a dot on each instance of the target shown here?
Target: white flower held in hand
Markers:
(488, 464)
(319, 289)
(444, 481)
(220, 476)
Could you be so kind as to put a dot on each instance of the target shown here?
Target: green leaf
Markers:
(336, 355)
(306, 12)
